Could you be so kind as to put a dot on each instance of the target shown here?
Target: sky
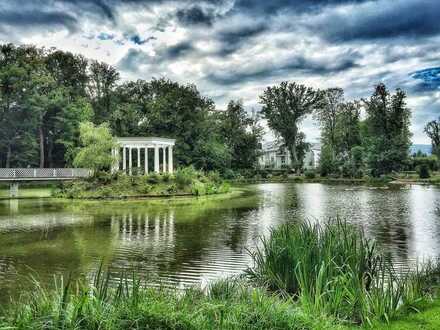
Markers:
(234, 49)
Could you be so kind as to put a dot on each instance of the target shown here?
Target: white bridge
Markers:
(16, 175)
(42, 174)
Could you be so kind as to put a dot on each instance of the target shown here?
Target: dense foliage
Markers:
(432, 129)
(96, 147)
(284, 107)
(45, 94)
(185, 181)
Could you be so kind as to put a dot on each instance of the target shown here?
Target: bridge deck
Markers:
(42, 174)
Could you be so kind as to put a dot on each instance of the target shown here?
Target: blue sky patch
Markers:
(430, 77)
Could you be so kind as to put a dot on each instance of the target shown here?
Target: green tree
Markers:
(102, 84)
(328, 116)
(388, 134)
(96, 145)
(432, 129)
(165, 108)
(285, 106)
(242, 135)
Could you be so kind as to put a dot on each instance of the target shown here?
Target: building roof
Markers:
(142, 141)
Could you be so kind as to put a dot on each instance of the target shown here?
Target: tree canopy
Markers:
(285, 106)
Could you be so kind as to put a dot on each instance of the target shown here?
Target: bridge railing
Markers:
(40, 173)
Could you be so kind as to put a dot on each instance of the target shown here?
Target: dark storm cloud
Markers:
(37, 19)
(195, 16)
(136, 39)
(380, 20)
(299, 64)
(232, 39)
(136, 58)
(295, 6)
(133, 60)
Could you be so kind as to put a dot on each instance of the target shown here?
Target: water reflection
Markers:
(194, 241)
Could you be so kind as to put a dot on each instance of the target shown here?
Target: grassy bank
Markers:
(184, 182)
(304, 277)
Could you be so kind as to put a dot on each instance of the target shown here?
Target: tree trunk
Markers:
(8, 157)
(41, 133)
(50, 153)
(293, 155)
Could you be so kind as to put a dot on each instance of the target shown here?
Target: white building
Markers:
(273, 156)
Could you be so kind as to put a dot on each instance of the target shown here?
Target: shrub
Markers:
(229, 174)
(224, 188)
(214, 177)
(145, 189)
(310, 174)
(198, 188)
(171, 189)
(153, 178)
(423, 171)
(185, 176)
(166, 177)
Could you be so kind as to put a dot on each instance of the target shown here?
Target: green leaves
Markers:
(97, 143)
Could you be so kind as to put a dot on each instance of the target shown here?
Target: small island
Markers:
(134, 167)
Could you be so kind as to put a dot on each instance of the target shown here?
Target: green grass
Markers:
(334, 269)
(228, 304)
(428, 319)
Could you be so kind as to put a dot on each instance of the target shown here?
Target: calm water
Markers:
(197, 240)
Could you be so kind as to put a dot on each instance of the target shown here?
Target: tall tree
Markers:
(388, 140)
(102, 83)
(432, 129)
(328, 114)
(242, 135)
(285, 106)
(96, 145)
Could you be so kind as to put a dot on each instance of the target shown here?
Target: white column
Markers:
(164, 154)
(115, 154)
(139, 158)
(146, 160)
(156, 159)
(124, 158)
(130, 160)
(170, 159)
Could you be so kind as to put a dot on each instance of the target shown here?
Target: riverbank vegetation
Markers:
(184, 182)
(47, 94)
(305, 276)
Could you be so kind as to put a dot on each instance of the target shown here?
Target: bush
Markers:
(198, 188)
(229, 174)
(310, 174)
(423, 171)
(185, 176)
(145, 189)
(166, 177)
(153, 178)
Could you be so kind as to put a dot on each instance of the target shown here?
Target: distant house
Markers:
(274, 156)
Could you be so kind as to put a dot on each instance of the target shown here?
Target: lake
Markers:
(195, 240)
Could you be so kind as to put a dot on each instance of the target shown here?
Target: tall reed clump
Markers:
(129, 304)
(333, 268)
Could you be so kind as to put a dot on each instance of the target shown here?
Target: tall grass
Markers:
(226, 304)
(333, 268)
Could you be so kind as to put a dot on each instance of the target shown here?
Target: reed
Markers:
(333, 268)
(129, 304)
